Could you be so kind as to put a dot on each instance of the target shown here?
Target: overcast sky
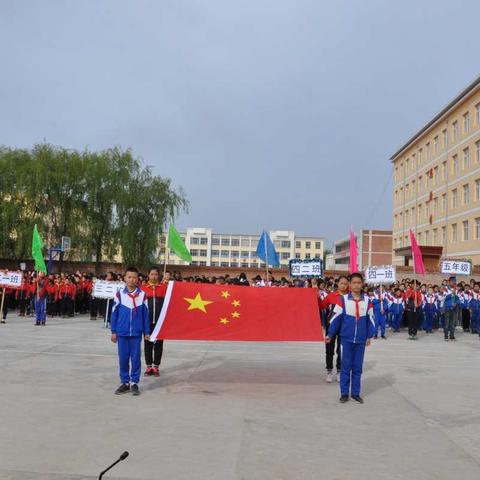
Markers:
(269, 113)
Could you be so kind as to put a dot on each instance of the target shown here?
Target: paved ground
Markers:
(235, 410)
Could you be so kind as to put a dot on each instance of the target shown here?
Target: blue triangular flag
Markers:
(266, 250)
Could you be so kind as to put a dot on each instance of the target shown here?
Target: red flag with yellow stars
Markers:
(198, 311)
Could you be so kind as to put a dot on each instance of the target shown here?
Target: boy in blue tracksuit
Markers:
(397, 307)
(475, 307)
(353, 320)
(129, 322)
(380, 310)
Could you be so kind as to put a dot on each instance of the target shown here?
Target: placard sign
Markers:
(10, 279)
(383, 274)
(105, 289)
(456, 267)
(306, 268)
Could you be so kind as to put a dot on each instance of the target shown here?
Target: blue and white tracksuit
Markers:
(130, 321)
(380, 310)
(396, 308)
(353, 320)
(430, 308)
(475, 307)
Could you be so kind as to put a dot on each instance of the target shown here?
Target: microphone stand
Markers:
(122, 457)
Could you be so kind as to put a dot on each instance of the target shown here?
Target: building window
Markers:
(420, 238)
(466, 122)
(465, 230)
(308, 245)
(224, 253)
(224, 264)
(444, 235)
(235, 242)
(454, 232)
(245, 242)
(477, 151)
(477, 228)
(477, 113)
(225, 242)
(435, 175)
(297, 255)
(203, 263)
(466, 158)
(477, 189)
(234, 264)
(455, 164)
(466, 194)
(214, 264)
(244, 254)
(419, 212)
(435, 206)
(435, 236)
(194, 252)
(445, 138)
(455, 130)
(235, 254)
(298, 244)
(307, 256)
(419, 185)
(318, 245)
(202, 253)
(285, 244)
(204, 241)
(285, 255)
(444, 202)
(215, 253)
(435, 145)
(194, 241)
(444, 170)
(427, 237)
(454, 198)
(244, 265)
(215, 241)
(427, 151)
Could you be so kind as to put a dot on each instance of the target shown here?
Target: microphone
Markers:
(122, 457)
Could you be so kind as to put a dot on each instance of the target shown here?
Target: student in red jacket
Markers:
(413, 307)
(155, 293)
(22, 295)
(67, 295)
(328, 304)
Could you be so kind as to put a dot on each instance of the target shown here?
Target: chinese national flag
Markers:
(196, 311)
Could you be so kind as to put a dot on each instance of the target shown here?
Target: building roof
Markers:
(471, 88)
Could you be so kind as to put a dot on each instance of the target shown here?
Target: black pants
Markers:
(93, 307)
(330, 350)
(67, 306)
(451, 318)
(22, 304)
(465, 319)
(413, 317)
(153, 352)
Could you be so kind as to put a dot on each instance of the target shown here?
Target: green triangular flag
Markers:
(37, 254)
(176, 243)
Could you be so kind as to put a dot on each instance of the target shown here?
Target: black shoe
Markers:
(357, 398)
(384, 337)
(134, 389)
(123, 388)
(376, 336)
(344, 399)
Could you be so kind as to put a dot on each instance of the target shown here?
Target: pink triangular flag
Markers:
(418, 265)
(353, 253)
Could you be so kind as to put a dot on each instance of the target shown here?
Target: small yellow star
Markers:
(235, 314)
(197, 303)
(236, 303)
(225, 294)
(224, 321)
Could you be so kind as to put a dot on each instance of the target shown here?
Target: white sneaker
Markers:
(329, 378)
(337, 377)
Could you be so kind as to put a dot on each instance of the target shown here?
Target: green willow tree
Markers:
(106, 201)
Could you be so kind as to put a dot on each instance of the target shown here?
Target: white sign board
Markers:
(455, 267)
(306, 268)
(105, 289)
(10, 279)
(383, 274)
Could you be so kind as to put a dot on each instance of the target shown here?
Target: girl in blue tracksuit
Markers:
(397, 307)
(129, 322)
(380, 310)
(430, 308)
(353, 319)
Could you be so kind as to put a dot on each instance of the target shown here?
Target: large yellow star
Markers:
(235, 314)
(236, 303)
(225, 294)
(197, 303)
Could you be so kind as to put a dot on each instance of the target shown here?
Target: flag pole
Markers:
(1, 307)
(416, 226)
(266, 258)
(166, 257)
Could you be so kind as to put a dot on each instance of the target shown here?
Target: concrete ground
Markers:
(224, 411)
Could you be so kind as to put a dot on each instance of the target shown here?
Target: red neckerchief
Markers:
(133, 296)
